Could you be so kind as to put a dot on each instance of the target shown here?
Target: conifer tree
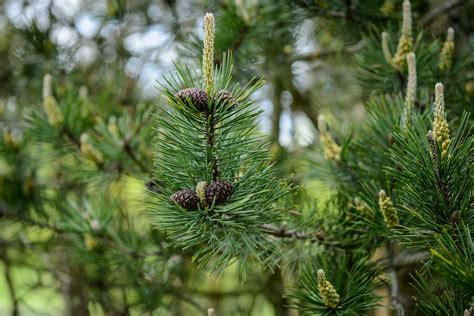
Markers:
(131, 209)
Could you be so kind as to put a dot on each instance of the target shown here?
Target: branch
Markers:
(394, 287)
(284, 232)
(131, 252)
(438, 10)
(350, 49)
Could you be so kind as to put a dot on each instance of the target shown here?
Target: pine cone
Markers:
(218, 192)
(186, 198)
(224, 98)
(197, 97)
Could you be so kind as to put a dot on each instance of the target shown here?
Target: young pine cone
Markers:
(224, 98)
(218, 192)
(196, 96)
(186, 198)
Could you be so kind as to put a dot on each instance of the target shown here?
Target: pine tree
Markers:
(126, 207)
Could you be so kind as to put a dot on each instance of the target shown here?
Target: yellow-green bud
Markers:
(112, 126)
(327, 290)
(208, 58)
(405, 43)
(53, 112)
(89, 151)
(388, 211)
(411, 90)
(201, 192)
(440, 124)
(447, 52)
(387, 7)
(50, 106)
(10, 140)
(332, 151)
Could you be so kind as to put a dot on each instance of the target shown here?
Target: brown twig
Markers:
(284, 232)
(394, 286)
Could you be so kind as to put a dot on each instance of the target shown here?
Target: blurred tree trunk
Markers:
(276, 111)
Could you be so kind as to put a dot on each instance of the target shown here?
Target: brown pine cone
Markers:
(196, 96)
(218, 192)
(186, 198)
(224, 98)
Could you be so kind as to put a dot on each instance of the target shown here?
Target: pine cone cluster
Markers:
(196, 96)
(199, 99)
(216, 193)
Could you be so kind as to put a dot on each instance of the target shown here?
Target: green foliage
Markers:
(184, 157)
(353, 277)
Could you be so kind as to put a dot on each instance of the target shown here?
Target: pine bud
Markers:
(208, 58)
(90, 242)
(50, 106)
(210, 312)
(387, 7)
(219, 192)
(433, 150)
(201, 192)
(196, 96)
(327, 290)
(89, 151)
(47, 86)
(186, 198)
(411, 90)
(332, 151)
(53, 112)
(10, 140)
(387, 209)
(447, 52)
(112, 126)
(405, 43)
(440, 125)
(83, 92)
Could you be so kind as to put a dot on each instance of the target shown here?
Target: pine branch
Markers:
(394, 287)
(131, 252)
(405, 258)
(284, 232)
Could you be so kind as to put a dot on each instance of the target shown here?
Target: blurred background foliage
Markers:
(75, 236)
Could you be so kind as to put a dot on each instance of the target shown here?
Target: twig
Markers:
(131, 252)
(437, 10)
(394, 287)
(405, 258)
(284, 232)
